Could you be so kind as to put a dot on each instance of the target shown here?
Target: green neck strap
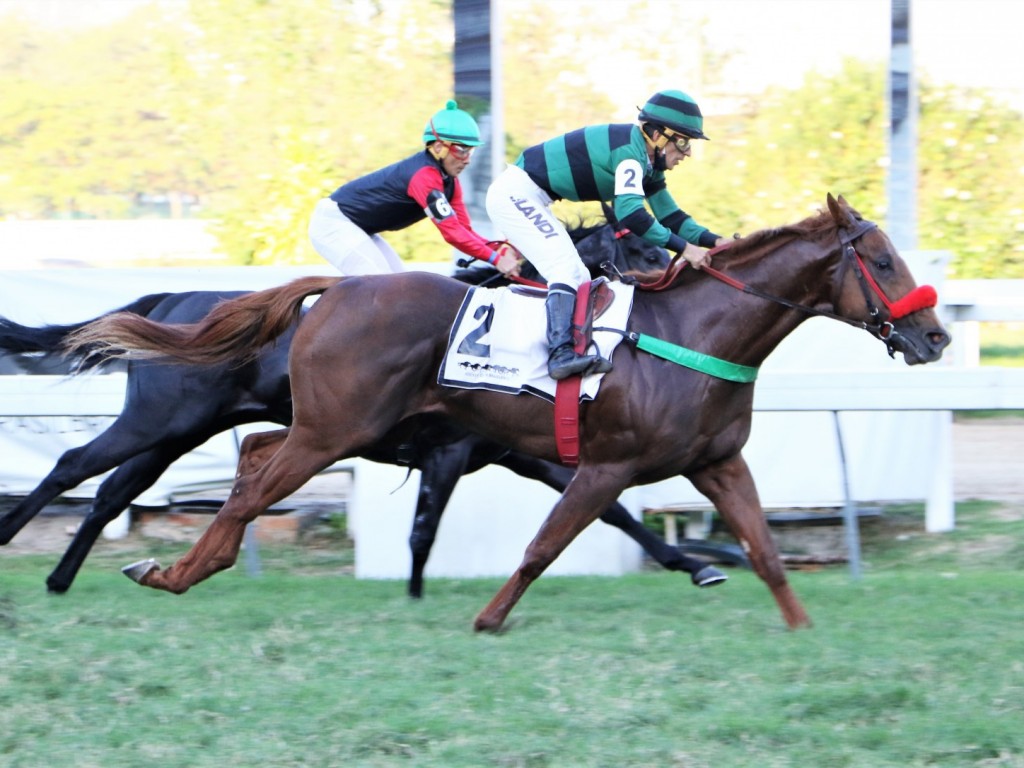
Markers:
(698, 361)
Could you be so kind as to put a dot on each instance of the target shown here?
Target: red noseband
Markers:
(922, 297)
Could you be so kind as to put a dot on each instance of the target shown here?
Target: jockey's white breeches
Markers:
(521, 210)
(347, 246)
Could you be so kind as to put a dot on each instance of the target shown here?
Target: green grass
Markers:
(919, 663)
(1002, 344)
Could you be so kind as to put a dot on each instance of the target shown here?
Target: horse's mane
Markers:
(579, 227)
(755, 246)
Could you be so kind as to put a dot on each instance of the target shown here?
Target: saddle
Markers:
(598, 299)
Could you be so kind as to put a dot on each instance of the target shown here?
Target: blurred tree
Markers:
(774, 162)
(971, 164)
(250, 111)
(313, 94)
(546, 93)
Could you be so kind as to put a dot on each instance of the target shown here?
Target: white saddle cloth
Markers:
(499, 342)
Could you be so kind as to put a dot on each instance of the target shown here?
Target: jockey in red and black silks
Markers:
(345, 227)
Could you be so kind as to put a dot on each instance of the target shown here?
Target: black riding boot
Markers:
(562, 358)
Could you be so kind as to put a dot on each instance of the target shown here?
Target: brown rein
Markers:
(882, 330)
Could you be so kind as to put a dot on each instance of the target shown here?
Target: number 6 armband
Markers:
(438, 207)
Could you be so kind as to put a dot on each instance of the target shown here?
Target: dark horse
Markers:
(365, 361)
(170, 410)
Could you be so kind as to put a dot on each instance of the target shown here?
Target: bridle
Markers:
(922, 297)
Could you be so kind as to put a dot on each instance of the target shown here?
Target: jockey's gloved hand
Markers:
(508, 259)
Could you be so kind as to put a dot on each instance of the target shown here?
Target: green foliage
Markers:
(88, 122)
(544, 95)
(248, 111)
(971, 165)
(775, 161)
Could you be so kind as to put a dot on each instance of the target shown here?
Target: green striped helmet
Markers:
(675, 110)
(454, 125)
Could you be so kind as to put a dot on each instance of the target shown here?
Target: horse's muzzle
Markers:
(917, 346)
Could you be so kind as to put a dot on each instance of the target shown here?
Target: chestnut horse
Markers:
(364, 363)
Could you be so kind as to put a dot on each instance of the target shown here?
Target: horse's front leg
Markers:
(671, 558)
(590, 492)
(730, 487)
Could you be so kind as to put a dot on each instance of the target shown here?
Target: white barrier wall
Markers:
(487, 526)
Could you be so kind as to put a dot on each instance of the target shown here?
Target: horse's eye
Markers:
(884, 264)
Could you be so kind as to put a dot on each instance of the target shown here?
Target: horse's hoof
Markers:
(56, 588)
(483, 624)
(137, 571)
(708, 576)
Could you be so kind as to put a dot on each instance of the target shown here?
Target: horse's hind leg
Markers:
(587, 494)
(113, 497)
(730, 487)
(668, 557)
(288, 469)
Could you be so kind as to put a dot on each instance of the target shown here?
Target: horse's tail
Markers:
(233, 331)
(50, 340)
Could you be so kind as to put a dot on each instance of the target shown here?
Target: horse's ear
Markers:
(840, 211)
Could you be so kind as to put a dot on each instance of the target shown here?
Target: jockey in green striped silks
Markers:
(623, 163)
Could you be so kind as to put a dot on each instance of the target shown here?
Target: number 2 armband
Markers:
(629, 178)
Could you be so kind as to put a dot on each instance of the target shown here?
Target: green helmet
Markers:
(675, 110)
(454, 125)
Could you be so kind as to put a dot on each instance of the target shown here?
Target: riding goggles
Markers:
(681, 142)
(461, 151)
